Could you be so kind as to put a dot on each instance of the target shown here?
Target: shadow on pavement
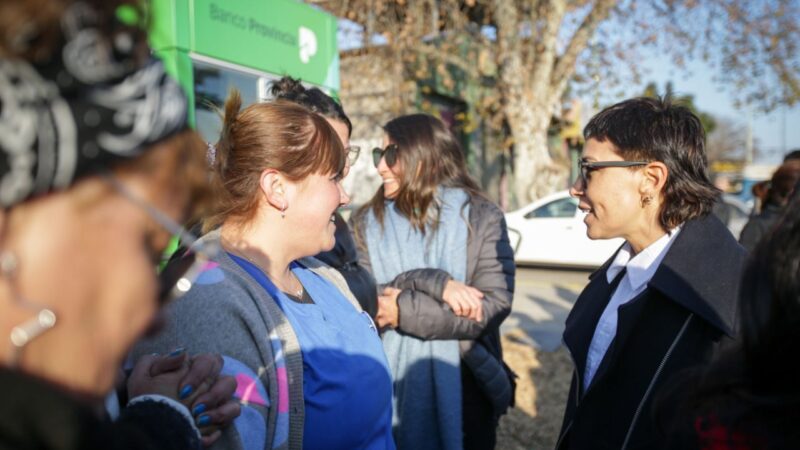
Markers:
(542, 388)
(542, 319)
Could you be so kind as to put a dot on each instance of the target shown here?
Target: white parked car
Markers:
(550, 231)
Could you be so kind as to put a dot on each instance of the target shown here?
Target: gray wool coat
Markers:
(490, 269)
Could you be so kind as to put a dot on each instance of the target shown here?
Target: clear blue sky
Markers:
(712, 97)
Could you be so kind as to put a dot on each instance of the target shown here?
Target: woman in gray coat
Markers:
(440, 250)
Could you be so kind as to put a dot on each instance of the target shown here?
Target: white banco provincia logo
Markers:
(308, 44)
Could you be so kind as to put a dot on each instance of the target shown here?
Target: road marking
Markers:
(575, 287)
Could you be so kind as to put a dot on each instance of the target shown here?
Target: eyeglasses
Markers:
(180, 273)
(390, 153)
(588, 166)
(352, 153)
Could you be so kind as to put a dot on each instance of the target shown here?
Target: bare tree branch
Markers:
(545, 52)
(565, 66)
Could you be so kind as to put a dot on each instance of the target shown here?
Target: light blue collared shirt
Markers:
(640, 270)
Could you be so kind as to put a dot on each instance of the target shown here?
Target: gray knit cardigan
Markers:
(230, 313)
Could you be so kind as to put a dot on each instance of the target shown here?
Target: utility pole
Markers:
(783, 129)
(748, 146)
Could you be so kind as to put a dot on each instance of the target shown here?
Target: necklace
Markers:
(293, 292)
(298, 293)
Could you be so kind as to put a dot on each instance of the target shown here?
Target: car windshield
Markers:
(561, 208)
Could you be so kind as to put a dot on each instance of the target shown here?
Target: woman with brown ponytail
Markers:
(343, 256)
(287, 326)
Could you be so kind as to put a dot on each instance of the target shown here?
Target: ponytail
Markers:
(219, 164)
(277, 135)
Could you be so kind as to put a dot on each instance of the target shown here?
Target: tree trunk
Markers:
(535, 174)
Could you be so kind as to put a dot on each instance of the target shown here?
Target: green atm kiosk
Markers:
(213, 45)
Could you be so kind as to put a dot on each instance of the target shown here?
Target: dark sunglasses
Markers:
(390, 153)
(182, 270)
(589, 166)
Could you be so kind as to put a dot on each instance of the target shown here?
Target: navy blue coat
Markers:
(687, 310)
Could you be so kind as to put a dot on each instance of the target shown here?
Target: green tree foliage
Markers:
(708, 120)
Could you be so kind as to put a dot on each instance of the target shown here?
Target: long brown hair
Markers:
(280, 135)
(431, 156)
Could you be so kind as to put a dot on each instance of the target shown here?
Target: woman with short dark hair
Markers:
(667, 298)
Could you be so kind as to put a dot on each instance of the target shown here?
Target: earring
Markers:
(646, 200)
(283, 211)
(32, 328)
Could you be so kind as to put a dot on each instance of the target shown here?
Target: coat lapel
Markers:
(583, 318)
(626, 321)
(682, 277)
(699, 255)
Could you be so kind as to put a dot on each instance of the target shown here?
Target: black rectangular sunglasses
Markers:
(390, 153)
(589, 166)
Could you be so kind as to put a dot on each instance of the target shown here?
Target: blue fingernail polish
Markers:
(203, 420)
(199, 409)
(177, 351)
(186, 391)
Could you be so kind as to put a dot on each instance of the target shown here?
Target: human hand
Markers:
(213, 407)
(159, 375)
(388, 315)
(216, 409)
(464, 300)
(195, 382)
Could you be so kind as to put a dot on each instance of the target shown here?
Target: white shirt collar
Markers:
(643, 266)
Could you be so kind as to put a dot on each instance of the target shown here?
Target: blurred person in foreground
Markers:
(667, 298)
(311, 369)
(96, 167)
(440, 249)
(343, 257)
(780, 188)
(748, 399)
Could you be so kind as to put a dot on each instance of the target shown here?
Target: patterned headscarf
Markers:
(90, 105)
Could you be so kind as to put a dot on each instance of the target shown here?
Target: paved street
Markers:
(542, 302)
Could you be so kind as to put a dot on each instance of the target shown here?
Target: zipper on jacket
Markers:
(653, 380)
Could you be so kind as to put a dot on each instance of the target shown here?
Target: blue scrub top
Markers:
(347, 386)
